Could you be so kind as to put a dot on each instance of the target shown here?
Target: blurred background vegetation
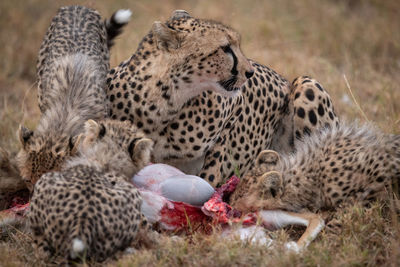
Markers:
(326, 39)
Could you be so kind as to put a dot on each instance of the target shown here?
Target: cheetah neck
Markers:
(104, 157)
(74, 96)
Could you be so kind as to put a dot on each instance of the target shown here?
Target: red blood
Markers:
(181, 215)
(20, 209)
(18, 201)
(219, 210)
(15, 212)
(178, 215)
(18, 206)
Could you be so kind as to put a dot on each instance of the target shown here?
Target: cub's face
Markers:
(42, 153)
(117, 144)
(262, 187)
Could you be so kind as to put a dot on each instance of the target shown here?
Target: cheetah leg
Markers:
(312, 107)
(227, 157)
(279, 219)
(146, 237)
(218, 165)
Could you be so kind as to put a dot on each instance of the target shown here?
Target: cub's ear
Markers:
(92, 128)
(166, 38)
(24, 134)
(93, 131)
(267, 160)
(74, 143)
(140, 150)
(179, 13)
(271, 184)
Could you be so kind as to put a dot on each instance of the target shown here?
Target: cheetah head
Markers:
(116, 145)
(43, 153)
(262, 187)
(203, 54)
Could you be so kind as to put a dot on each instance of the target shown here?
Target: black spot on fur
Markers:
(310, 94)
(321, 111)
(312, 117)
(301, 113)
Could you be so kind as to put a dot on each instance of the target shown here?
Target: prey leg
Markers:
(279, 219)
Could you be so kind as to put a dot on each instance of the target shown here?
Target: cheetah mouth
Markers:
(229, 84)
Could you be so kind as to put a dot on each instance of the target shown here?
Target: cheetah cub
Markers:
(88, 209)
(339, 165)
(72, 67)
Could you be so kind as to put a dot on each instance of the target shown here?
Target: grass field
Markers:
(351, 46)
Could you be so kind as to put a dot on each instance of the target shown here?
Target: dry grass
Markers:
(325, 39)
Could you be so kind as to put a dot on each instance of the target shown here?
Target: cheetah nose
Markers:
(249, 74)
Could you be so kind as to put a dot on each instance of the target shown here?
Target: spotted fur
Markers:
(100, 213)
(338, 165)
(178, 87)
(72, 66)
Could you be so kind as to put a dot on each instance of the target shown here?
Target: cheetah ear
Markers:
(92, 128)
(93, 131)
(272, 182)
(24, 134)
(267, 160)
(166, 38)
(180, 13)
(74, 143)
(141, 150)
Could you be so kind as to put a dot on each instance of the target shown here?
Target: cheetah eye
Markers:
(70, 143)
(102, 131)
(273, 192)
(58, 148)
(132, 146)
(227, 49)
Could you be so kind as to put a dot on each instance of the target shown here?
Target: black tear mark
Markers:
(227, 49)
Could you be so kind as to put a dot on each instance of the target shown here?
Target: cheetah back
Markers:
(100, 209)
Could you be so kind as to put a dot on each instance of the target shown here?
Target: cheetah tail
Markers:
(115, 24)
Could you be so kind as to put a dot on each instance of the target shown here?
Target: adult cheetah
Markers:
(72, 68)
(89, 208)
(338, 165)
(208, 108)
